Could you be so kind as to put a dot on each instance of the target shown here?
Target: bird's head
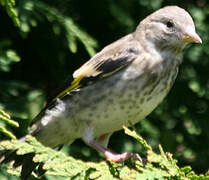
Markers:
(169, 28)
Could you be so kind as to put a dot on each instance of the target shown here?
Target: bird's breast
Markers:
(126, 98)
(122, 99)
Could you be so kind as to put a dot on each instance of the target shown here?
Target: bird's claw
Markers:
(122, 157)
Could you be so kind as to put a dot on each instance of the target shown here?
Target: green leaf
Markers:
(159, 166)
(10, 10)
(137, 137)
(4, 117)
(73, 31)
(7, 133)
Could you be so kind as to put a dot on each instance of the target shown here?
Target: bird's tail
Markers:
(26, 161)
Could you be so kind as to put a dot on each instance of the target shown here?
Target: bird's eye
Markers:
(169, 24)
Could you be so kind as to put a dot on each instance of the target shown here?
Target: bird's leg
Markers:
(108, 153)
(103, 140)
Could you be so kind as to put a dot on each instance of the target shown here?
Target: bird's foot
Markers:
(111, 155)
(121, 157)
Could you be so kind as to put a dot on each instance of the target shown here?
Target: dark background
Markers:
(53, 40)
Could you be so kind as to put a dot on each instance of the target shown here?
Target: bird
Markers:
(119, 86)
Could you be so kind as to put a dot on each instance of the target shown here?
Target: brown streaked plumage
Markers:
(120, 85)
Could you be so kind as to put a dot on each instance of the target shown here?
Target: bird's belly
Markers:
(103, 107)
(122, 107)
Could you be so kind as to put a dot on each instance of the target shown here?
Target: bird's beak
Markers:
(191, 37)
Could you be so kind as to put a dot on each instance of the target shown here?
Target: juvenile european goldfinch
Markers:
(120, 85)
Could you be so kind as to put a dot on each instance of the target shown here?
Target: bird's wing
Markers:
(108, 61)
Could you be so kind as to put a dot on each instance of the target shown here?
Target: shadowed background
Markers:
(56, 37)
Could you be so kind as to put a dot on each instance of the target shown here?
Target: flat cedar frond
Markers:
(9, 4)
(160, 166)
(4, 117)
(73, 31)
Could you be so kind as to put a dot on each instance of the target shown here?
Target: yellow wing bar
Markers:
(74, 85)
